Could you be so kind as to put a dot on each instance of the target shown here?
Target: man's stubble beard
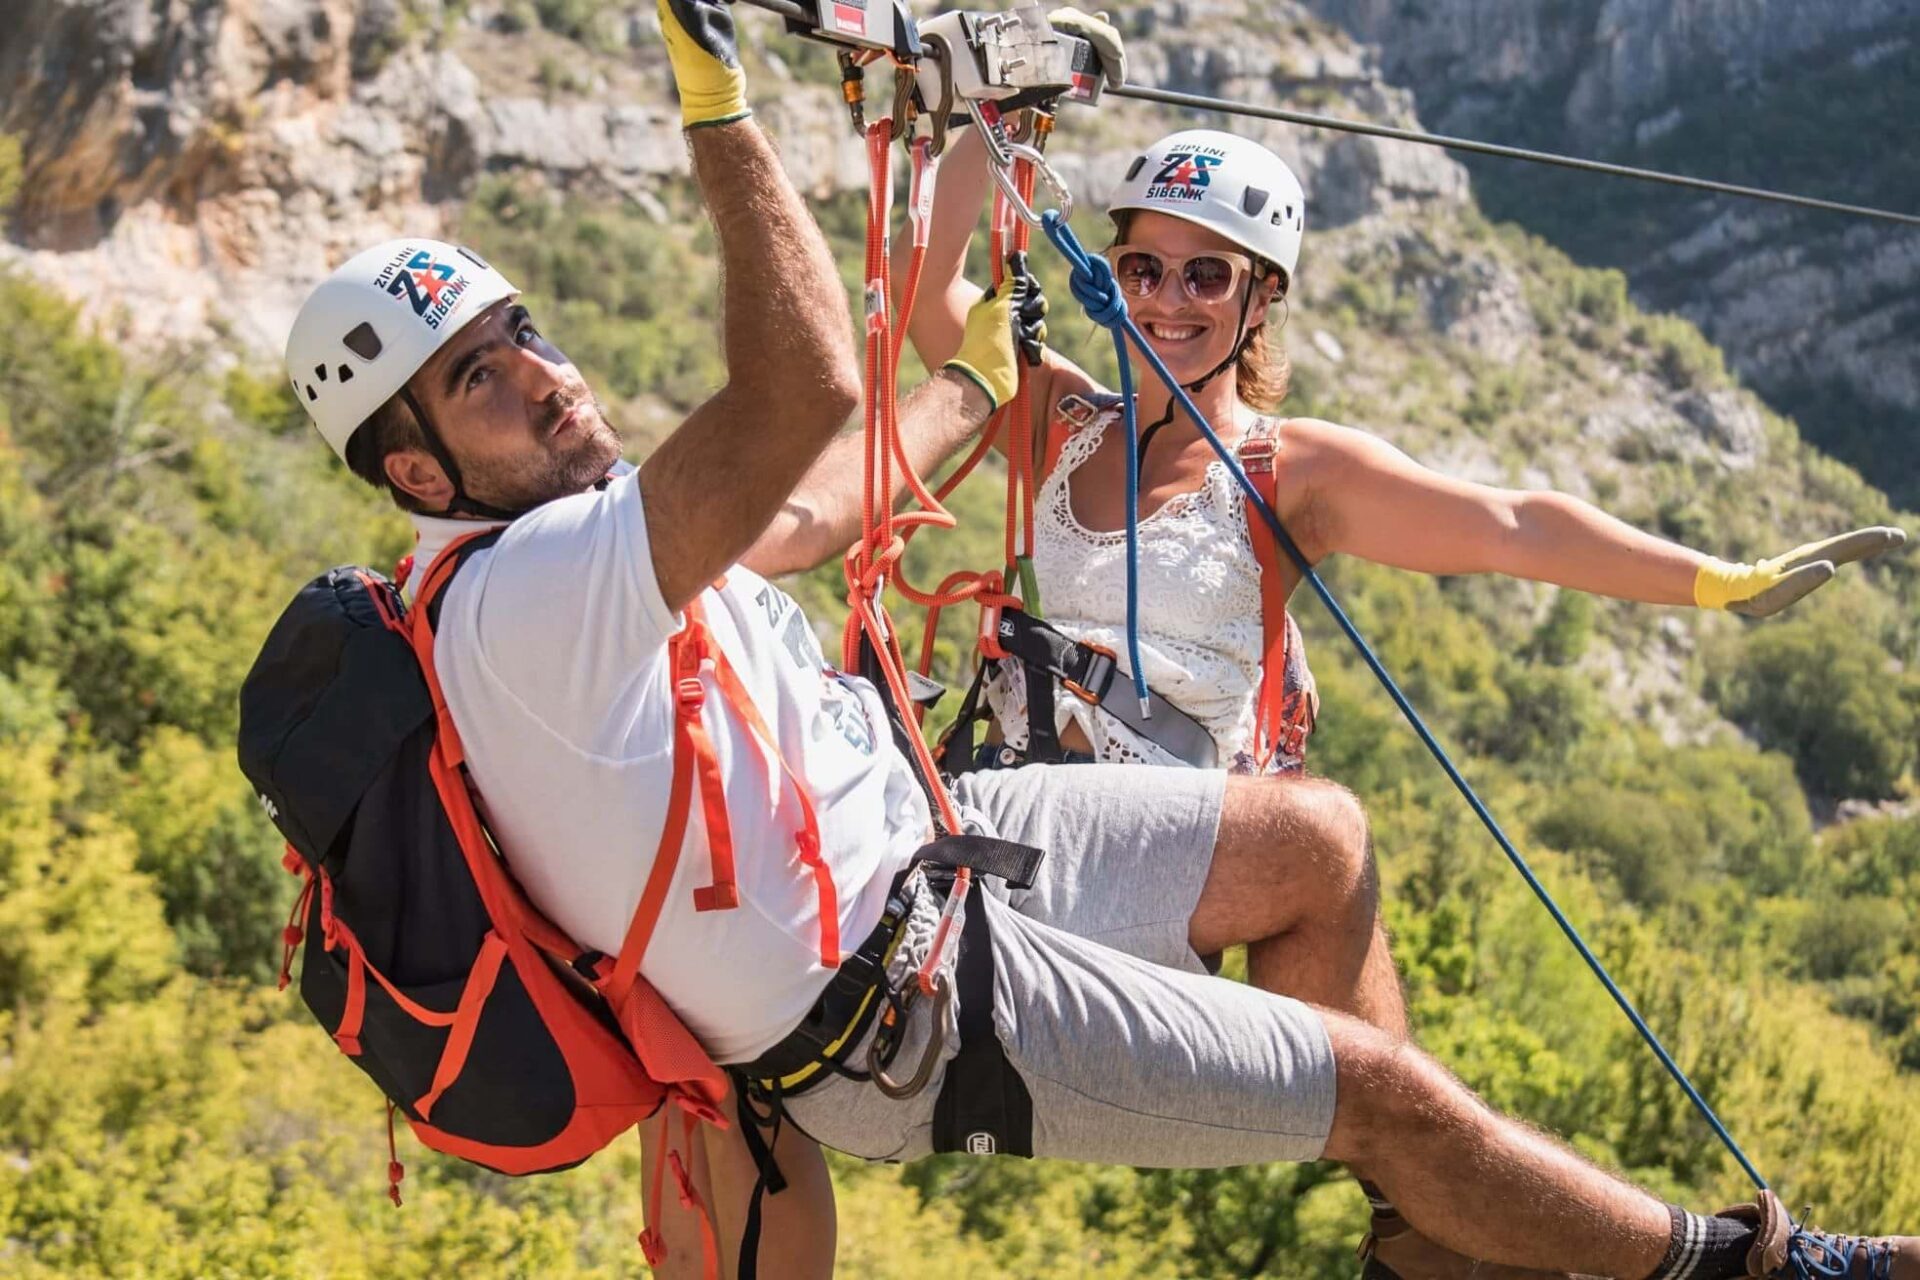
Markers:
(556, 469)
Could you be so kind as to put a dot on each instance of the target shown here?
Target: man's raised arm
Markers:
(792, 377)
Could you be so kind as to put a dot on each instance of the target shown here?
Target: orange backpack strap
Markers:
(685, 652)
(1257, 453)
(693, 655)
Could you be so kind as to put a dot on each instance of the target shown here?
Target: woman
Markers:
(1207, 232)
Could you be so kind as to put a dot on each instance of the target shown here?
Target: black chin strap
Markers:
(1193, 388)
(461, 505)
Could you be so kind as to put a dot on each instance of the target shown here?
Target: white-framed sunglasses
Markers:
(1212, 276)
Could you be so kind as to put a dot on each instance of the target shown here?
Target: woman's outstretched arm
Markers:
(1361, 496)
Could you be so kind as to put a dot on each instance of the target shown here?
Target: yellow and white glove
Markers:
(706, 61)
(1097, 31)
(1010, 318)
(1764, 589)
(986, 353)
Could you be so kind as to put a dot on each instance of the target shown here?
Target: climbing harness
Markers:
(633, 1050)
(1048, 657)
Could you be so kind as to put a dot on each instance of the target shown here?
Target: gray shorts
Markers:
(1131, 1053)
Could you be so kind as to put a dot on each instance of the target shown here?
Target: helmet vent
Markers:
(310, 395)
(362, 341)
(1133, 170)
(320, 372)
(346, 374)
(1253, 202)
(472, 257)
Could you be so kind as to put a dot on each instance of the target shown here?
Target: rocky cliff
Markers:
(191, 168)
(1817, 312)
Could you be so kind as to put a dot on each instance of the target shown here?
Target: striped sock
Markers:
(1705, 1248)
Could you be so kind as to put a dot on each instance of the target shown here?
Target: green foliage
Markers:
(267, 401)
(586, 21)
(1568, 630)
(1666, 818)
(608, 286)
(207, 846)
(1497, 391)
(1829, 696)
(1680, 354)
(171, 1117)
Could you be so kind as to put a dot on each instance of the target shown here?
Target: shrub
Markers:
(1827, 695)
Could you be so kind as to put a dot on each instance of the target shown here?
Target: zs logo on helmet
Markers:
(1184, 175)
(429, 286)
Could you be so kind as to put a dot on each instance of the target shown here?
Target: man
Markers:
(420, 367)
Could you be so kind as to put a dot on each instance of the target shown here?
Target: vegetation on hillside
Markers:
(163, 1111)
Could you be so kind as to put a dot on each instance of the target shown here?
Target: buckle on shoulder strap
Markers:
(1076, 411)
(1256, 454)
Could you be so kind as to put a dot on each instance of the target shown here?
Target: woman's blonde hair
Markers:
(1263, 372)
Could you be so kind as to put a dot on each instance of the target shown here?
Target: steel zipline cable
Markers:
(1196, 102)
(1226, 106)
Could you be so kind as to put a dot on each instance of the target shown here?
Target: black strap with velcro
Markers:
(1017, 864)
(1038, 645)
(984, 1108)
(1043, 734)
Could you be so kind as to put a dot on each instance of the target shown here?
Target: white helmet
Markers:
(1226, 183)
(369, 326)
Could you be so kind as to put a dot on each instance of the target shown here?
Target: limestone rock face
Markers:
(1615, 65)
(1819, 313)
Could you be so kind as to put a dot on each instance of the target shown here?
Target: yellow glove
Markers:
(986, 350)
(706, 62)
(1097, 31)
(996, 326)
(1764, 589)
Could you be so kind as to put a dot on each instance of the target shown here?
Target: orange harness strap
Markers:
(1277, 725)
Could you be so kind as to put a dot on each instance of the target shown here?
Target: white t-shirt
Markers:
(552, 651)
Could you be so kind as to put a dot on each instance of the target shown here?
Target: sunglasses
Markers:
(1207, 277)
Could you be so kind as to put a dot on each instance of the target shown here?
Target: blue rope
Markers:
(1093, 287)
(1108, 309)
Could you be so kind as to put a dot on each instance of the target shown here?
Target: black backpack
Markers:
(424, 961)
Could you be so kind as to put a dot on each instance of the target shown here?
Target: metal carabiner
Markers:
(1003, 178)
(936, 51)
(936, 1041)
(904, 77)
(1002, 152)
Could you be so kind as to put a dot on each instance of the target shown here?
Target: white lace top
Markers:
(1201, 635)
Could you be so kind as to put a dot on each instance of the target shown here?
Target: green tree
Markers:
(1830, 697)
